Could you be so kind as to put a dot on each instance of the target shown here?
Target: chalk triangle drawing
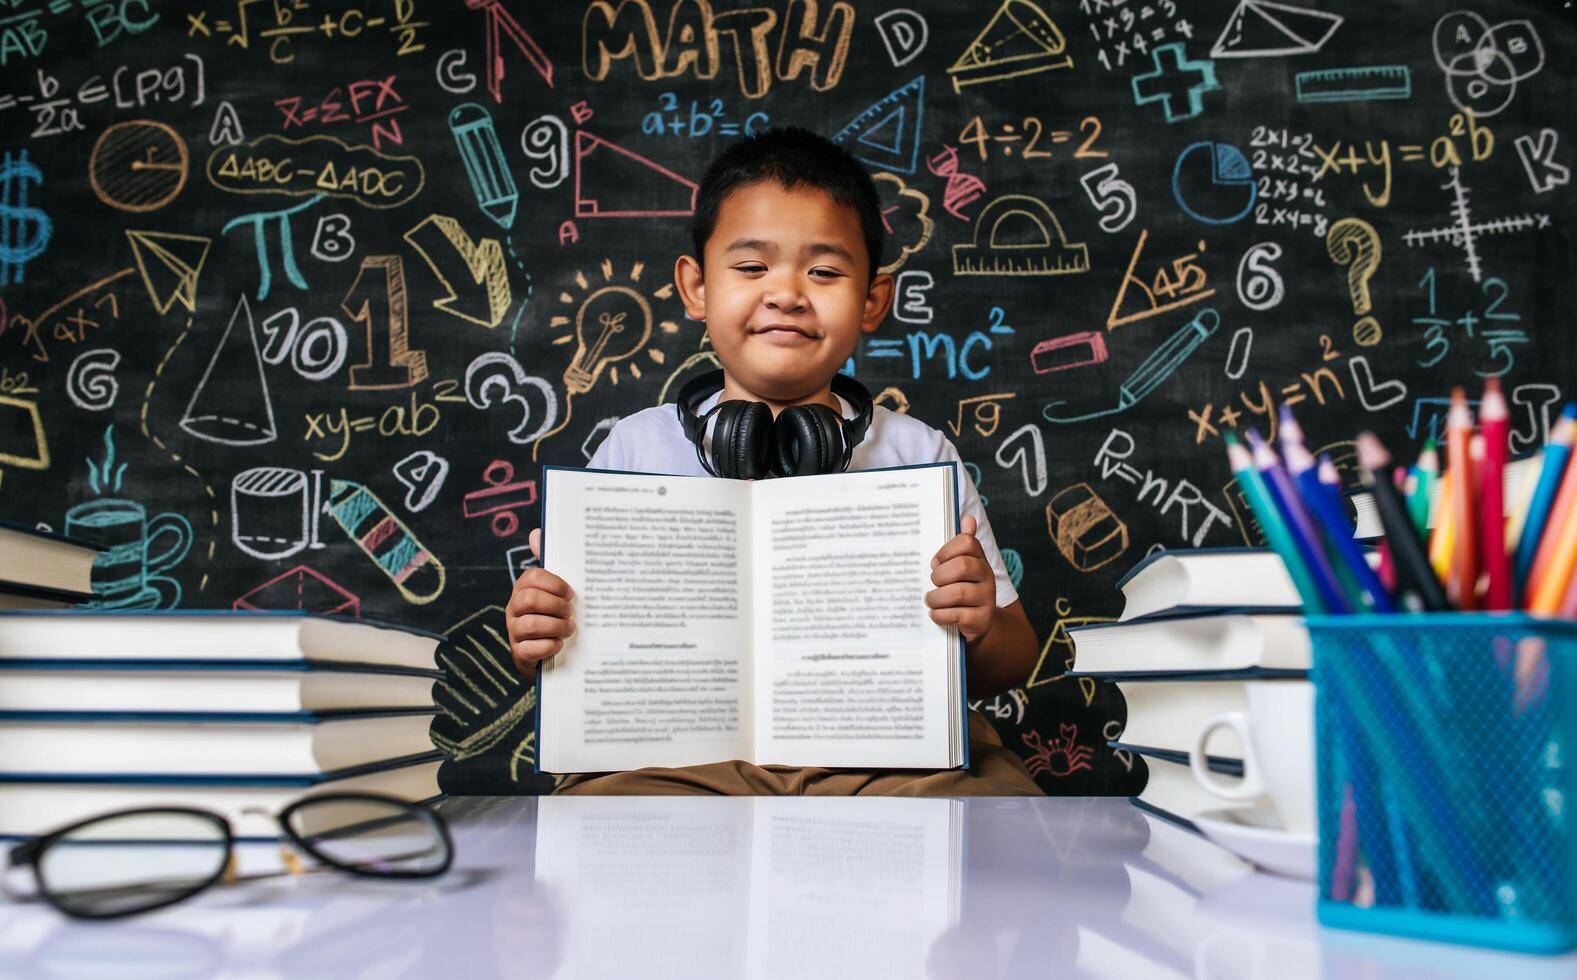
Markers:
(612, 182)
(1263, 29)
(887, 133)
(1018, 40)
(179, 258)
(230, 405)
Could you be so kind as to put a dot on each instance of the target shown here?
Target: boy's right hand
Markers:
(540, 615)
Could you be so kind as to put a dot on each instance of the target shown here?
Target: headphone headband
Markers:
(698, 389)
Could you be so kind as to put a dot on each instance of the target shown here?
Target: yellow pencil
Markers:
(1442, 541)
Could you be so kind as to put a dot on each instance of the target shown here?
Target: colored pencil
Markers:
(1413, 573)
(1494, 422)
(1552, 565)
(1304, 535)
(1569, 604)
(1366, 592)
(1427, 473)
(1462, 575)
(1551, 590)
(1556, 453)
(1442, 537)
(1517, 503)
(1276, 534)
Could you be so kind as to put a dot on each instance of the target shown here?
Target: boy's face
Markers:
(786, 291)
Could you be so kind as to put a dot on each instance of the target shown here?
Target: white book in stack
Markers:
(1197, 626)
(105, 710)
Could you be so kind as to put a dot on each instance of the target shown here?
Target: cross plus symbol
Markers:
(1174, 79)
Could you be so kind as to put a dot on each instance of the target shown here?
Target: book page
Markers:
(646, 888)
(850, 668)
(657, 673)
(852, 887)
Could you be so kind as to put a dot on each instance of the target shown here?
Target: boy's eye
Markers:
(826, 273)
(750, 268)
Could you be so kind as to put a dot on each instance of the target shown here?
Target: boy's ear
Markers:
(692, 287)
(878, 300)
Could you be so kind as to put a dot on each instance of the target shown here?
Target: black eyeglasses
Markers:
(134, 861)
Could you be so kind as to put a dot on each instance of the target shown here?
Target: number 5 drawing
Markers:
(1112, 196)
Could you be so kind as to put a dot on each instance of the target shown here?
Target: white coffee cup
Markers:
(1277, 734)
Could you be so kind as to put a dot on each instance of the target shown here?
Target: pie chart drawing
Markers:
(1214, 183)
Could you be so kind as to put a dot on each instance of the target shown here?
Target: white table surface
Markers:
(638, 888)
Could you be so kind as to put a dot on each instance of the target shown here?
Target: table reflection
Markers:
(582, 887)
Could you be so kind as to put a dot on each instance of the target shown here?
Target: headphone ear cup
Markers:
(814, 434)
(742, 440)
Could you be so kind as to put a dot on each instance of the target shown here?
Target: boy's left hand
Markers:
(966, 593)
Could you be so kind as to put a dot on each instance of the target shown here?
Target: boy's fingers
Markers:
(962, 568)
(956, 594)
(968, 524)
(537, 601)
(535, 540)
(964, 544)
(541, 578)
(534, 626)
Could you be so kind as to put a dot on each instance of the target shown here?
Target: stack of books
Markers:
(221, 710)
(43, 570)
(1196, 627)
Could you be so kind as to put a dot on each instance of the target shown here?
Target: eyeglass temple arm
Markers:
(24, 853)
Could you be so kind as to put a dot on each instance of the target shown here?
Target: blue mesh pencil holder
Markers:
(1441, 744)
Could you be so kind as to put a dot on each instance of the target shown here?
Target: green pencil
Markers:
(1271, 522)
(1427, 472)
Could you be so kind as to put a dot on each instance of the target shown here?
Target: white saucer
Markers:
(1255, 834)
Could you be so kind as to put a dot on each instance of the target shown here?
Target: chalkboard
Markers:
(299, 297)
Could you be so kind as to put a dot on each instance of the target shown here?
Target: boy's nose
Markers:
(784, 298)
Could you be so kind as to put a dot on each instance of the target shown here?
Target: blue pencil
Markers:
(1556, 453)
(1304, 536)
(1324, 503)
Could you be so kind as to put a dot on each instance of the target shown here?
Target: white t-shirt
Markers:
(653, 441)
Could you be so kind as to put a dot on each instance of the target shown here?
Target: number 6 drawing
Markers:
(1112, 196)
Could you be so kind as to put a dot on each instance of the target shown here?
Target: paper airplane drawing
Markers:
(1262, 29)
(180, 257)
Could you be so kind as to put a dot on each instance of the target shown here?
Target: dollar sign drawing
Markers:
(24, 231)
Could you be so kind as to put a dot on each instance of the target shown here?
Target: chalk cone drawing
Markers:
(231, 405)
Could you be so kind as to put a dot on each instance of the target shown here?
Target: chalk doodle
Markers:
(1018, 235)
(274, 511)
(170, 265)
(1148, 376)
(1483, 64)
(24, 230)
(1087, 532)
(1018, 40)
(1464, 232)
(1263, 29)
(904, 34)
(231, 404)
(472, 129)
(1213, 183)
(1175, 82)
(887, 133)
(90, 381)
(138, 166)
(423, 473)
(1538, 161)
(301, 589)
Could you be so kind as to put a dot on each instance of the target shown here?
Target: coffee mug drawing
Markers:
(1277, 734)
(126, 575)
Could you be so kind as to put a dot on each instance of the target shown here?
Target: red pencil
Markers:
(1493, 420)
(1462, 578)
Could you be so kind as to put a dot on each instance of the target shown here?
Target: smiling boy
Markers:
(788, 238)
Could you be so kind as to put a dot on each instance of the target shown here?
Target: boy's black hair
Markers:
(793, 157)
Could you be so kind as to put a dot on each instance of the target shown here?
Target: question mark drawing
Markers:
(1354, 243)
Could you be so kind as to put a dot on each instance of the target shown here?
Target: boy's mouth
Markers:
(781, 330)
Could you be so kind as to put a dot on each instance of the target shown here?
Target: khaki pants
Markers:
(993, 771)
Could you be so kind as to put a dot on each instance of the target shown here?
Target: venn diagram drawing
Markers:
(1483, 62)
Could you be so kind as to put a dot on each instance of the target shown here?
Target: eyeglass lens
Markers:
(371, 837)
(132, 862)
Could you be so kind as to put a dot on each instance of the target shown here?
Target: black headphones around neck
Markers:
(749, 444)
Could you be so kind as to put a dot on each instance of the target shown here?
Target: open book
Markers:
(678, 887)
(781, 622)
